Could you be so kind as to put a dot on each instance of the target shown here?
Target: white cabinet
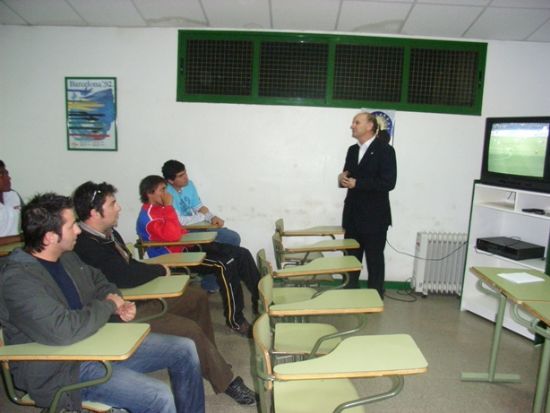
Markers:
(495, 212)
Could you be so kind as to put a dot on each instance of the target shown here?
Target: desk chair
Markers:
(113, 342)
(9, 243)
(355, 303)
(317, 231)
(284, 258)
(324, 385)
(191, 238)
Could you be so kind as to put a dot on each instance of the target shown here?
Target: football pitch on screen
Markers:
(517, 156)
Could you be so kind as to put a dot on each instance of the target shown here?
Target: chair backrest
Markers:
(278, 249)
(264, 267)
(262, 341)
(280, 226)
(265, 287)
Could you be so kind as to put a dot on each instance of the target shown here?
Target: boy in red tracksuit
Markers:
(158, 221)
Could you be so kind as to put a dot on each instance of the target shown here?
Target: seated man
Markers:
(48, 295)
(188, 205)
(10, 205)
(158, 221)
(101, 246)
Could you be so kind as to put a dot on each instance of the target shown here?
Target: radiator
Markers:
(439, 262)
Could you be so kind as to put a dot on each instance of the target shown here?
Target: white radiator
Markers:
(439, 262)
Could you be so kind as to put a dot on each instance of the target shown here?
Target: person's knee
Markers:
(184, 350)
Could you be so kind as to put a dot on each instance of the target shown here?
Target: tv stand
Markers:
(498, 212)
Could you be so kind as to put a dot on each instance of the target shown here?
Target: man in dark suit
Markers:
(369, 174)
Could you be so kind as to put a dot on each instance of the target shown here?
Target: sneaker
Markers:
(244, 329)
(239, 392)
(210, 284)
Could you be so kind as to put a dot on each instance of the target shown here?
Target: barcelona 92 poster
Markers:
(91, 113)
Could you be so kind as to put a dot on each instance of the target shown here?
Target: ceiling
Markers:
(517, 20)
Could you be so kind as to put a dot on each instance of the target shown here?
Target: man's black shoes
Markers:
(238, 391)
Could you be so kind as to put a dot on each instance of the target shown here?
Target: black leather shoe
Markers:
(239, 392)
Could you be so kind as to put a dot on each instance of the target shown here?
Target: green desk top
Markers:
(538, 291)
(203, 225)
(539, 309)
(325, 265)
(320, 231)
(191, 238)
(180, 259)
(160, 287)
(360, 356)
(114, 341)
(332, 302)
(7, 248)
(325, 245)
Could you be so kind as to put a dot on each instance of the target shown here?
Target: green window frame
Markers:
(325, 70)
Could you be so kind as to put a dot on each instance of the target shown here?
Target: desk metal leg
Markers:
(491, 376)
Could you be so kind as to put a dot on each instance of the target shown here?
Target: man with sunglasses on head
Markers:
(101, 246)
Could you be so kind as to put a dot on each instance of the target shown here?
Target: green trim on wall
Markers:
(452, 77)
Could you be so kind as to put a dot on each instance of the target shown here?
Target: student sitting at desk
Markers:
(188, 204)
(48, 295)
(158, 221)
(101, 246)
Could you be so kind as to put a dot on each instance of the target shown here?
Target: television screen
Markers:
(518, 148)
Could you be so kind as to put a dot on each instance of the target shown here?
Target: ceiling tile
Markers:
(507, 23)
(304, 14)
(46, 12)
(8, 16)
(542, 34)
(374, 17)
(248, 14)
(527, 4)
(120, 13)
(457, 2)
(433, 20)
(172, 13)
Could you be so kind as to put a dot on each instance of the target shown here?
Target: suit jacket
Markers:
(367, 206)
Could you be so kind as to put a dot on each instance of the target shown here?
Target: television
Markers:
(516, 153)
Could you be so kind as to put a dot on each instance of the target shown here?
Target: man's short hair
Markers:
(148, 186)
(90, 196)
(2, 164)
(171, 168)
(42, 215)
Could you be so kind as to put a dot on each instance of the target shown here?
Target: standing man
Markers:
(48, 295)
(369, 174)
(188, 204)
(10, 205)
(101, 246)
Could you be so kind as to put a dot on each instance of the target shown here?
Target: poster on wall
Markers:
(91, 113)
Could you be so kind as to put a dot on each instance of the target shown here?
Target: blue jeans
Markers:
(131, 389)
(227, 236)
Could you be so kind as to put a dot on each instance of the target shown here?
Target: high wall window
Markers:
(331, 70)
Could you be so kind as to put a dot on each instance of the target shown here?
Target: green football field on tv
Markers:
(517, 155)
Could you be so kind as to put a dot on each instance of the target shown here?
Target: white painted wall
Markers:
(252, 164)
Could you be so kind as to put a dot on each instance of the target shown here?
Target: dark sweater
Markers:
(103, 254)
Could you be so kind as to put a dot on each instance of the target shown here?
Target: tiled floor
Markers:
(452, 342)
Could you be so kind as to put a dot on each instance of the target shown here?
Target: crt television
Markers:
(516, 153)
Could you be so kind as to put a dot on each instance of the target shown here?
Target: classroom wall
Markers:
(252, 164)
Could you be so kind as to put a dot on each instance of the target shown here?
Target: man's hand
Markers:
(126, 310)
(217, 221)
(166, 198)
(348, 182)
(341, 177)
